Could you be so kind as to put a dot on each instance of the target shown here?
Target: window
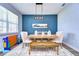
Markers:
(3, 19)
(12, 17)
(12, 27)
(13, 22)
(8, 21)
(3, 27)
(3, 13)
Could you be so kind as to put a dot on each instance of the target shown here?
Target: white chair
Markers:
(25, 39)
(49, 32)
(35, 32)
(59, 32)
(43, 33)
(59, 39)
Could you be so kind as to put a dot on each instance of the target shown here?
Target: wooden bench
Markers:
(44, 45)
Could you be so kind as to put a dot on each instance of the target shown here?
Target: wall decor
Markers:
(40, 25)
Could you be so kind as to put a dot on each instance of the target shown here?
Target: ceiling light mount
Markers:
(39, 3)
(63, 4)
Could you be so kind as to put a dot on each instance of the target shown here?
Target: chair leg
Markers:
(61, 45)
(23, 45)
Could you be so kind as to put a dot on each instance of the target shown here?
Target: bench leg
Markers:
(54, 49)
(57, 50)
(30, 50)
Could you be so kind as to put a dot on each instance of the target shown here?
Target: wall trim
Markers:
(71, 46)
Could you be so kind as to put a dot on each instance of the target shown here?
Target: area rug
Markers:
(19, 51)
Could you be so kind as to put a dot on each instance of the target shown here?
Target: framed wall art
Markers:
(39, 25)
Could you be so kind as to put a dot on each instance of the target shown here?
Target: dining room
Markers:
(39, 29)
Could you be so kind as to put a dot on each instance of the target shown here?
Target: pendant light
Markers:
(38, 11)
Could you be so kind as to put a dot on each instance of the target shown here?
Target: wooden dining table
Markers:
(41, 37)
(42, 44)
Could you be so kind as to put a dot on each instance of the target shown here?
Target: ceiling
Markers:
(48, 8)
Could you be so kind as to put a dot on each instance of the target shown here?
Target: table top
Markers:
(43, 36)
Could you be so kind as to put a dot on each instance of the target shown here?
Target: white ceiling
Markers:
(29, 8)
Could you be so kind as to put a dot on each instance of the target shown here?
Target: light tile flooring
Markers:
(70, 50)
(19, 51)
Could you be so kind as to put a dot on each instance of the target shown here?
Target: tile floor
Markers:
(68, 48)
(71, 50)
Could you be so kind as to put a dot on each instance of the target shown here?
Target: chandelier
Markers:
(39, 11)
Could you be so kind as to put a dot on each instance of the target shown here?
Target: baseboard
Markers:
(71, 46)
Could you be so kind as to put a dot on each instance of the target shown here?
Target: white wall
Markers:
(68, 22)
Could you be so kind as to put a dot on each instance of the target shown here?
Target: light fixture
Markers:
(39, 11)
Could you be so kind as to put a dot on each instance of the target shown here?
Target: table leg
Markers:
(41, 39)
(34, 39)
(48, 39)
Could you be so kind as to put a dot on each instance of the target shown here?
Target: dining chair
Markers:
(35, 32)
(59, 39)
(49, 32)
(43, 33)
(25, 39)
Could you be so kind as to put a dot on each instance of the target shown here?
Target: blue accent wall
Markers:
(28, 20)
